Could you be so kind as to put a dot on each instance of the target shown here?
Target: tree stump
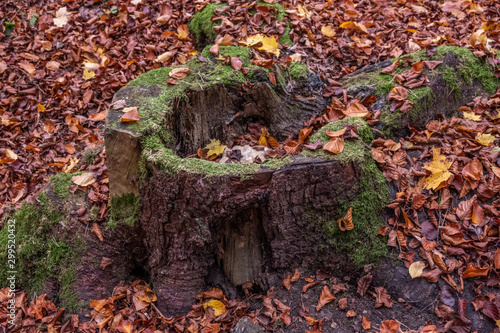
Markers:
(199, 217)
(202, 223)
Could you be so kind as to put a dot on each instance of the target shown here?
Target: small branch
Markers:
(32, 81)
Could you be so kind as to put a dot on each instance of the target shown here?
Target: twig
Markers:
(157, 310)
(32, 81)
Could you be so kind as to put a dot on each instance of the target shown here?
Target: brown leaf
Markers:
(364, 283)
(287, 283)
(296, 276)
(236, 63)
(382, 297)
(398, 93)
(97, 231)
(473, 271)
(325, 298)
(346, 221)
(432, 64)
(105, 262)
(272, 78)
(389, 326)
(351, 313)
(391, 68)
(214, 50)
(309, 285)
(497, 259)
(342, 303)
(356, 110)
(130, 116)
(366, 323)
(179, 72)
(304, 133)
(417, 67)
(335, 146)
(52, 65)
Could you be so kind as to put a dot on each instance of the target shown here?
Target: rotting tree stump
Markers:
(204, 224)
(201, 218)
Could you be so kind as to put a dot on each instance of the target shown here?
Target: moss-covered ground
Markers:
(124, 211)
(40, 254)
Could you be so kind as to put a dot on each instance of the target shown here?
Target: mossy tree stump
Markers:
(201, 223)
(199, 217)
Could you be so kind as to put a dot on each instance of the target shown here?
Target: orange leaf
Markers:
(473, 271)
(132, 115)
(335, 134)
(335, 145)
(356, 110)
(179, 73)
(417, 67)
(389, 326)
(347, 221)
(366, 323)
(325, 298)
(97, 231)
(304, 133)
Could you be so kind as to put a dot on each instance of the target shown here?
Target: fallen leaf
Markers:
(215, 148)
(328, 31)
(334, 146)
(346, 221)
(85, 179)
(52, 65)
(439, 169)
(218, 306)
(179, 72)
(389, 326)
(132, 115)
(97, 231)
(62, 17)
(473, 271)
(416, 269)
(485, 139)
(88, 74)
(366, 323)
(325, 298)
(8, 156)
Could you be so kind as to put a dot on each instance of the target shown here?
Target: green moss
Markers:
(298, 71)
(40, 255)
(61, 183)
(233, 51)
(471, 67)
(384, 85)
(354, 149)
(280, 10)
(124, 210)
(285, 38)
(361, 243)
(450, 80)
(422, 99)
(201, 26)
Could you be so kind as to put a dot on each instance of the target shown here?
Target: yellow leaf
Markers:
(88, 74)
(40, 108)
(303, 12)
(485, 139)
(416, 269)
(269, 44)
(328, 31)
(472, 116)
(72, 163)
(215, 148)
(218, 306)
(85, 179)
(439, 168)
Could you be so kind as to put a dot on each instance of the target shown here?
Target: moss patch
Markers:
(354, 149)
(471, 67)
(61, 183)
(124, 210)
(201, 26)
(298, 71)
(450, 79)
(362, 244)
(40, 256)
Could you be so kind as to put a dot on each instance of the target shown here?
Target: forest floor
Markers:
(62, 61)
